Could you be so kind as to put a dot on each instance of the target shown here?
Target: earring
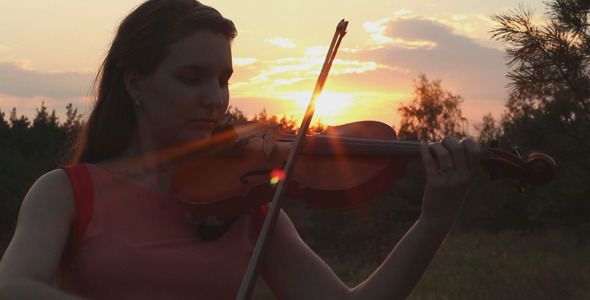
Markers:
(138, 101)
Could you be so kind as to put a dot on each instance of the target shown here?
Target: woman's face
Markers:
(188, 92)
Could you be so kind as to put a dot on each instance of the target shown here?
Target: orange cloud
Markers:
(282, 42)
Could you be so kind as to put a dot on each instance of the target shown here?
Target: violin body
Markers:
(327, 176)
(345, 167)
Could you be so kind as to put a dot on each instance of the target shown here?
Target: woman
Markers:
(164, 84)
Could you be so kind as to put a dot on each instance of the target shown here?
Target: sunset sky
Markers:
(50, 51)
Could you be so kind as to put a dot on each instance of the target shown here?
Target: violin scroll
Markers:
(538, 168)
(541, 168)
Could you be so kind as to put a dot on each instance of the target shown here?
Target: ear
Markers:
(133, 84)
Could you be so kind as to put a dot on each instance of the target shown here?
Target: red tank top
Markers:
(138, 245)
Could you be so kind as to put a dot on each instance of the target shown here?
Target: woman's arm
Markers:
(293, 271)
(31, 260)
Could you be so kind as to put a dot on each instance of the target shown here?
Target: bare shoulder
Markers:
(51, 194)
(42, 231)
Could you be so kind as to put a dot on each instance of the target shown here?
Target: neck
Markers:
(147, 166)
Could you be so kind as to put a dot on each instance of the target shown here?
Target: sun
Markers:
(330, 106)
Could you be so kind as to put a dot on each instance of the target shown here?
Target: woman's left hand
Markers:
(450, 168)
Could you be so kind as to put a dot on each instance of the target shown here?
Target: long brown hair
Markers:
(140, 44)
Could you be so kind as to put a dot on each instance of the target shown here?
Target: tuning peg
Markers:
(516, 150)
(494, 143)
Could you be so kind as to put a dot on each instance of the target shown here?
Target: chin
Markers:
(196, 137)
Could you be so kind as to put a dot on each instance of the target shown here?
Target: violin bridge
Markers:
(268, 144)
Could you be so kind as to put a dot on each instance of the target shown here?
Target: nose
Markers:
(216, 97)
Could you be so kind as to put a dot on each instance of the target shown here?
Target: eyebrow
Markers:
(200, 68)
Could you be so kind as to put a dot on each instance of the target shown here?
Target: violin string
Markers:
(412, 146)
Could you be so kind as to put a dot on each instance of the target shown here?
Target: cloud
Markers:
(268, 75)
(243, 61)
(378, 37)
(18, 81)
(465, 67)
(26, 89)
(282, 42)
(383, 69)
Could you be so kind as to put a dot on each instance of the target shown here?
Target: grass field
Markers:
(500, 267)
(508, 266)
(483, 266)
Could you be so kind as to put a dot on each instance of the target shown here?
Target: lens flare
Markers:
(276, 175)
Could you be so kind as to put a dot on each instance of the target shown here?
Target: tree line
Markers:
(29, 149)
(547, 109)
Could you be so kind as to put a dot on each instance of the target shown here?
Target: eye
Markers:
(190, 75)
(190, 79)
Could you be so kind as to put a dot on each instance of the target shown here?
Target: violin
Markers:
(345, 167)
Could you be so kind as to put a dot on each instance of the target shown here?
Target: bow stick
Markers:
(249, 280)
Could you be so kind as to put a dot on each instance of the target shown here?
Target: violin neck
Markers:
(329, 145)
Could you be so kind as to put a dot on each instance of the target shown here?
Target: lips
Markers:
(204, 124)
